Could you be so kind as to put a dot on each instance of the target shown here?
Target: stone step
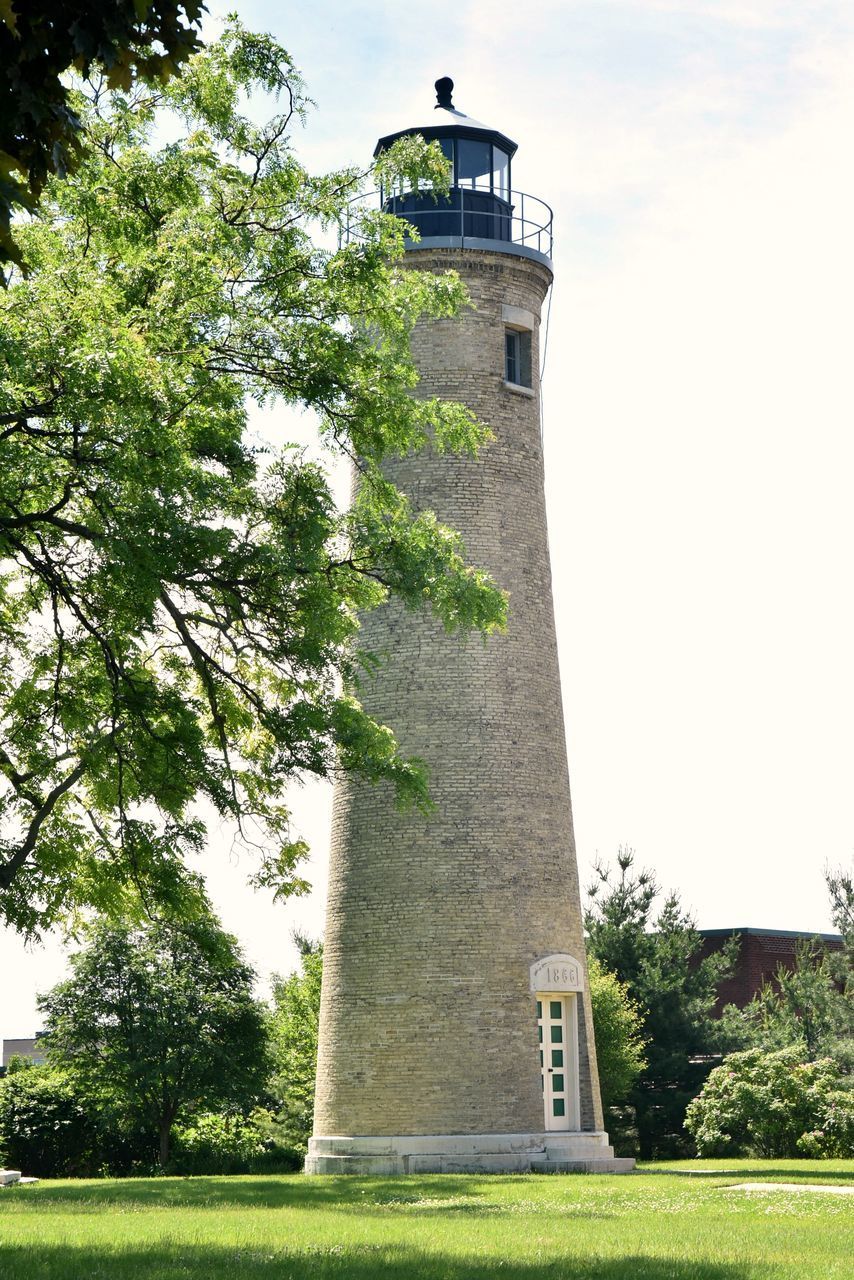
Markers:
(612, 1164)
(521, 1162)
(9, 1176)
(394, 1166)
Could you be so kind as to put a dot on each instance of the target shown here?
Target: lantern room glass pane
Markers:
(474, 164)
(501, 173)
(447, 145)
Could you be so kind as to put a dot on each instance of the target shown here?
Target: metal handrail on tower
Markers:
(522, 219)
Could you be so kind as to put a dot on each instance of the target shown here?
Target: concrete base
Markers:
(466, 1153)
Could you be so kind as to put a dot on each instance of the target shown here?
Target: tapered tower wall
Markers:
(428, 1023)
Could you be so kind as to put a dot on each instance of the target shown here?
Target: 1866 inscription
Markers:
(556, 973)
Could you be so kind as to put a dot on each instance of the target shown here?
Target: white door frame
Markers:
(557, 1021)
(559, 976)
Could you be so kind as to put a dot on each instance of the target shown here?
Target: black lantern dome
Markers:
(479, 204)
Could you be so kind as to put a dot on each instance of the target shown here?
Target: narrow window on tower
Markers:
(517, 357)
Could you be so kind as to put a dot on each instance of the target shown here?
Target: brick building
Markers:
(761, 953)
(27, 1047)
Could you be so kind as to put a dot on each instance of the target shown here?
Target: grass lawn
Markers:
(668, 1222)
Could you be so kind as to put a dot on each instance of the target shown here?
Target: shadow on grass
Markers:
(378, 1263)
(254, 1192)
(805, 1173)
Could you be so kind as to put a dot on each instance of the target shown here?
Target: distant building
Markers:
(761, 953)
(26, 1048)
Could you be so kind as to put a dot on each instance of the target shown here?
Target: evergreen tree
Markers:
(656, 956)
(809, 1006)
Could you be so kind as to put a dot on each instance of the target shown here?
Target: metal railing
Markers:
(521, 220)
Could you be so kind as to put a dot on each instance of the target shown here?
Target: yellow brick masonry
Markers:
(427, 1022)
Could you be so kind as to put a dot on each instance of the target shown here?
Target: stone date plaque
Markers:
(557, 973)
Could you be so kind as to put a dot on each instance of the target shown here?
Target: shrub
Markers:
(46, 1128)
(296, 1012)
(621, 1124)
(774, 1105)
(618, 1027)
(219, 1143)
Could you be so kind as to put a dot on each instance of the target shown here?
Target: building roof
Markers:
(770, 933)
(445, 123)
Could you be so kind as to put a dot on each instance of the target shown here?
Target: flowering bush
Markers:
(775, 1105)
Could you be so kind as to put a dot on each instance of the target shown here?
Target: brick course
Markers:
(427, 1022)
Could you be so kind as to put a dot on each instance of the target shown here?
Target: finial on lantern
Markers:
(444, 89)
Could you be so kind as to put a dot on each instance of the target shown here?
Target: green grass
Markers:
(657, 1225)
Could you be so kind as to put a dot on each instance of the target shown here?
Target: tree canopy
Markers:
(179, 605)
(40, 127)
(158, 1021)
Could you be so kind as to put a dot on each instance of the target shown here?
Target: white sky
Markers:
(698, 420)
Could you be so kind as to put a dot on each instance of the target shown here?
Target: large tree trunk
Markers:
(165, 1136)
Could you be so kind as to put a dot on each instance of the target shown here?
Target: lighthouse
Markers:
(456, 1031)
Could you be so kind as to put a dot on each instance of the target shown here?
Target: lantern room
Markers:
(481, 205)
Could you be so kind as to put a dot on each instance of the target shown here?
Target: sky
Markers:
(698, 417)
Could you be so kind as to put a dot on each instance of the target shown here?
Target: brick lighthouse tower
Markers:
(455, 1026)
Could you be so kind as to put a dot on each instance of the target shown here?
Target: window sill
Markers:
(519, 389)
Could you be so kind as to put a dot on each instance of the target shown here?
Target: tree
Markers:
(802, 1006)
(840, 887)
(657, 958)
(811, 1005)
(296, 1013)
(774, 1105)
(40, 130)
(618, 1027)
(159, 1021)
(179, 612)
(46, 1128)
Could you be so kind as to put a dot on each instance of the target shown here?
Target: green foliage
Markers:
(46, 1127)
(618, 1027)
(18, 1062)
(656, 956)
(296, 1012)
(179, 607)
(215, 1142)
(810, 1006)
(156, 1022)
(840, 887)
(40, 130)
(773, 1104)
